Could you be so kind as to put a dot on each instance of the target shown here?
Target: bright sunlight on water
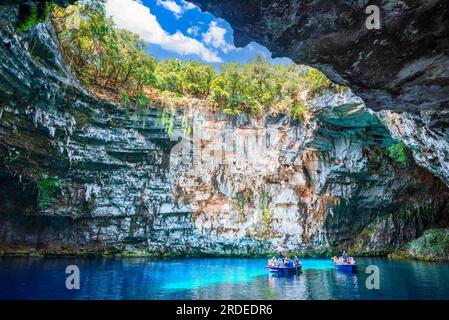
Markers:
(216, 278)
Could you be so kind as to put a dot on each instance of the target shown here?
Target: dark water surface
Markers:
(142, 278)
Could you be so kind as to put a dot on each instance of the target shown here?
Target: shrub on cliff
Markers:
(30, 14)
(104, 57)
(48, 190)
(397, 152)
(433, 245)
(317, 82)
(298, 112)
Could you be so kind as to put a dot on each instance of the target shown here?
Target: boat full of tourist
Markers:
(284, 265)
(345, 263)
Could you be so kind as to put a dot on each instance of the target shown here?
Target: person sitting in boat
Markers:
(351, 260)
(296, 262)
(281, 256)
(338, 260)
(345, 257)
(280, 263)
(272, 262)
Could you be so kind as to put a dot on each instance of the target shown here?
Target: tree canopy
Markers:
(115, 60)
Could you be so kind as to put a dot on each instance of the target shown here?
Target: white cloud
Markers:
(175, 8)
(214, 37)
(194, 30)
(135, 17)
(171, 6)
(188, 5)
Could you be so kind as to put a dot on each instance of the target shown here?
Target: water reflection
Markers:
(34, 278)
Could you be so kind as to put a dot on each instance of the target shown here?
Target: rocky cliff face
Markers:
(80, 175)
(313, 187)
(401, 67)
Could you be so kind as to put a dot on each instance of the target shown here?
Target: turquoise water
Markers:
(141, 278)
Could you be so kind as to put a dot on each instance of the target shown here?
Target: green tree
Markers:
(168, 74)
(317, 82)
(103, 56)
(196, 78)
(261, 84)
(229, 89)
(114, 61)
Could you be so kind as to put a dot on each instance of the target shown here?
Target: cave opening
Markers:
(180, 128)
(161, 150)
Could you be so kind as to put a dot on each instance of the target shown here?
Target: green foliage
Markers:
(168, 74)
(230, 90)
(298, 111)
(48, 190)
(125, 102)
(196, 78)
(31, 14)
(245, 197)
(112, 60)
(27, 17)
(103, 56)
(167, 121)
(240, 199)
(397, 152)
(9, 159)
(141, 109)
(184, 77)
(432, 245)
(259, 84)
(267, 212)
(419, 215)
(186, 128)
(255, 88)
(316, 81)
(258, 87)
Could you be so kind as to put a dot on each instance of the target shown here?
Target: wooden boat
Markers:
(285, 270)
(350, 268)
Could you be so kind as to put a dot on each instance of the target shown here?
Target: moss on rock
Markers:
(48, 190)
(31, 14)
(433, 245)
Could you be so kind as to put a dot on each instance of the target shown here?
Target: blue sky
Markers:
(178, 29)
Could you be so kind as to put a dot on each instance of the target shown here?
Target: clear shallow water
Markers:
(141, 278)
